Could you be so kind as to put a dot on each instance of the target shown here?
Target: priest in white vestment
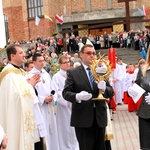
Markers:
(46, 101)
(17, 102)
(66, 133)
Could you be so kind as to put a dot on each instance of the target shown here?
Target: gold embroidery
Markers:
(23, 86)
(23, 72)
(109, 136)
(25, 90)
(28, 147)
(9, 70)
(29, 127)
(28, 122)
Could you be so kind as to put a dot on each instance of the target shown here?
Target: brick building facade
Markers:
(76, 14)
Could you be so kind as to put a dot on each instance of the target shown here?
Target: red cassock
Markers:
(125, 97)
(112, 104)
(131, 103)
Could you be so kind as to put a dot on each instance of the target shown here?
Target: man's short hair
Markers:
(119, 58)
(34, 57)
(85, 46)
(28, 63)
(11, 49)
(61, 58)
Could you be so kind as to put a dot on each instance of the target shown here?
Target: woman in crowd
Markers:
(143, 80)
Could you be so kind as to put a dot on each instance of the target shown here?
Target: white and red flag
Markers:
(59, 19)
(144, 11)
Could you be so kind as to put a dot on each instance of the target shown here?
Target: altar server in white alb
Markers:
(123, 69)
(66, 133)
(45, 98)
(116, 82)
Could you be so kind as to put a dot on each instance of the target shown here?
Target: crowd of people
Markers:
(52, 47)
(134, 38)
(50, 106)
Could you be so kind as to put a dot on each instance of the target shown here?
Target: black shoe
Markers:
(119, 104)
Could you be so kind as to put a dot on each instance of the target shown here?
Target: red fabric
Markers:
(112, 103)
(130, 72)
(112, 57)
(137, 105)
(120, 36)
(131, 105)
(59, 19)
(60, 42)
(144, 11)
(125, 97)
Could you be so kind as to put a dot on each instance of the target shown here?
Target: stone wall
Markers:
(2, 55)
(24, 46)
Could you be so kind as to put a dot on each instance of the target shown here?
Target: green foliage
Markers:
(55, 33)
(1, 49)
(147, 25)
(1, 68)
(54, 68)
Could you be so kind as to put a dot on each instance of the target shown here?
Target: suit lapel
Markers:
(84, 75)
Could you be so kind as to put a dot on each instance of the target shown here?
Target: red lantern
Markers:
(112, 57)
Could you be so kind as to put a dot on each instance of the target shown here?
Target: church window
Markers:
(35, 8)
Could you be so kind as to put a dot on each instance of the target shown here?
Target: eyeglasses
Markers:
(89, 53)
(65, 62)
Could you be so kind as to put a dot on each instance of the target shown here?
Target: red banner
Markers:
(112, 57)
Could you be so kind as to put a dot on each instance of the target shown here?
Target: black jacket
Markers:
(83, 113)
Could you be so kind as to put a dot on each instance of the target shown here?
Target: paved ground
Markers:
(125, 129)
(125, 124)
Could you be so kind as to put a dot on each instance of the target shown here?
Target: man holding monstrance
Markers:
(89, 115)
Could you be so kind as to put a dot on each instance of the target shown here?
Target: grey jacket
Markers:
(144, 82)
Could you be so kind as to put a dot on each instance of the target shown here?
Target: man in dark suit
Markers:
(88, 116)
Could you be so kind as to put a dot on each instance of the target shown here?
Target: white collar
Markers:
(85, 66)
(35, 71)
(63, 73)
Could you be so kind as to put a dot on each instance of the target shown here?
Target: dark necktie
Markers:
(91, 78)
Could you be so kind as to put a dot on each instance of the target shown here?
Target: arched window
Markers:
(35, 8)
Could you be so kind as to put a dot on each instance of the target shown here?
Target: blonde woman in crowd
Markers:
(143, 80)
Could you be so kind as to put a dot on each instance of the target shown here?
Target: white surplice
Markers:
(66, 133)
(117, 75)
(44, 89)
(123, 69)
(17, 109)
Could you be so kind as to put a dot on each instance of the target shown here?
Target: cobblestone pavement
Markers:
(125, 129)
